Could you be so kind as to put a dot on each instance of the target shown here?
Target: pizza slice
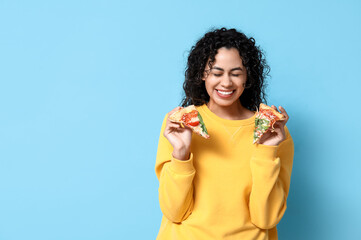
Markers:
(265, 119)
(190, 117)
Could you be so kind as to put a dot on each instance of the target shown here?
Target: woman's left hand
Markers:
(275, 137)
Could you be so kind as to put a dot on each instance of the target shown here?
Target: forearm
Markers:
(181, 153)
(271, 168)
(267, 202)
(176, 189)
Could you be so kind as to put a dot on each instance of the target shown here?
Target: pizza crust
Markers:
(263, 106)
(177, 117)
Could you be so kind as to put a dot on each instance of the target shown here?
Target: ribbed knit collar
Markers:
(244, 122)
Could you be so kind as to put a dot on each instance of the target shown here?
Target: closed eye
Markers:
(218, 75)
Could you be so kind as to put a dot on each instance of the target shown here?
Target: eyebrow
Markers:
(233, 69)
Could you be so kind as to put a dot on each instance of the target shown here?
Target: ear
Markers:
(204, 76)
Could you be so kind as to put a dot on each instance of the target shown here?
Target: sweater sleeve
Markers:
(175, 181)
(271, 168)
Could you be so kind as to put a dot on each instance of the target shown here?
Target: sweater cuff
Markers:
(265, 151)
(182, 166)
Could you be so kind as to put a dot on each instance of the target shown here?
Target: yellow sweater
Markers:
(229, 189)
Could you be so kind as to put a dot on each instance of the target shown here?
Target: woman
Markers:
(224, 187)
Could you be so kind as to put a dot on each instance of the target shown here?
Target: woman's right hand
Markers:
(179, 137)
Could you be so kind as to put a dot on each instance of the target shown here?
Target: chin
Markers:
(226, 102)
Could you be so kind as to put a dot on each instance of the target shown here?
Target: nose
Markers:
(226, 81)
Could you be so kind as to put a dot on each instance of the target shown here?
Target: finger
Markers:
(280, 130)
(177, 125)
(275, 108)
(174, 125)
(278, 125)
(266, 135)
(283, 111)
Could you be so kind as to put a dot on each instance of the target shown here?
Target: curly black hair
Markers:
(206, 49)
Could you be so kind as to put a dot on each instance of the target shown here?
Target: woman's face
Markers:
(225, 81)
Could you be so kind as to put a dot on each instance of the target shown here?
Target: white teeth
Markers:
(225, 93)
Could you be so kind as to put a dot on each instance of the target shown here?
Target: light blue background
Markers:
(85, 86)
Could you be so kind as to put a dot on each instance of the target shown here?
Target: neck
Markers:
(233, 112)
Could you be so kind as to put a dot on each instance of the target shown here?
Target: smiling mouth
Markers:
(224, 94)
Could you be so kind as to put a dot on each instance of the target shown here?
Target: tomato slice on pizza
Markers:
(190, 117)
(265, 119)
